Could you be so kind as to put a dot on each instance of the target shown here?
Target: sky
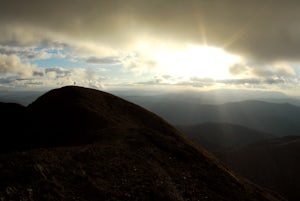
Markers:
(169, 44)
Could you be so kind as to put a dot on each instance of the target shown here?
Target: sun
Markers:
(196, 61)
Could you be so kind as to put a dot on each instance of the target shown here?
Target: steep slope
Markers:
(95, 146)
(271, 163)
(217, 137)
(268, 161)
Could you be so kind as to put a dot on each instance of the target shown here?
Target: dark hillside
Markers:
(268, 161)
(12, 126)
(89, 145)
(271, 163)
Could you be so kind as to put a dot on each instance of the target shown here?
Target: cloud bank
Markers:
(264, 33)
(265, 30)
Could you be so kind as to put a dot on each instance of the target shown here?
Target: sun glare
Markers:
(196, 61)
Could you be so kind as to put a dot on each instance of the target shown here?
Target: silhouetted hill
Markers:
(122, 152)
(12, 123)
(271, 163)
(216, 137)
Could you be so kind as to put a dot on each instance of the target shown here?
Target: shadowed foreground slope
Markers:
(273, 163)
(267, 161)
(83, 144)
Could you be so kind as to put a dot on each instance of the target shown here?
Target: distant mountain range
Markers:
(270, 112)
(219, 137)
(281, 119)
(142, 97)
(20, 97)
(75, 143)
(268, 161)
(213, 97)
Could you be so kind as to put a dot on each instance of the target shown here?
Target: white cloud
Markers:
(57, 77)
(51, 74)
(139, 63)
(11, 64)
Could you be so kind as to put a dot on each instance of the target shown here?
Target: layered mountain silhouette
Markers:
(220, 137)
(76, 143)
(281, 119)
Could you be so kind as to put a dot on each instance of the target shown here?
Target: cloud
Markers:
(264, 34)
(253, 81)
(17, 73)
(57, 72)
(32, 53)
(198, 82)
(238, 69)
(139, 63)
(274, 71)
(260, 30)
(79, 76)
(103, 60)
(56, 77)
(11, 64)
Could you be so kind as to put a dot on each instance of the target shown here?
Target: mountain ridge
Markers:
(277, 118)
(131, 155)
(216, 137)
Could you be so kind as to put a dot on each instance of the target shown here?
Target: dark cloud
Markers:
(7, 80)
(57, 72)
(17, 81)
(38, 73)
(30, 53)
(274, 71)
(261, 30)
(33, 83)
(277, 70)
(103, 60)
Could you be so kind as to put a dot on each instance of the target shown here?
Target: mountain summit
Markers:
(83, 144)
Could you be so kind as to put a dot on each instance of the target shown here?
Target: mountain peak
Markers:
(81, 115)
